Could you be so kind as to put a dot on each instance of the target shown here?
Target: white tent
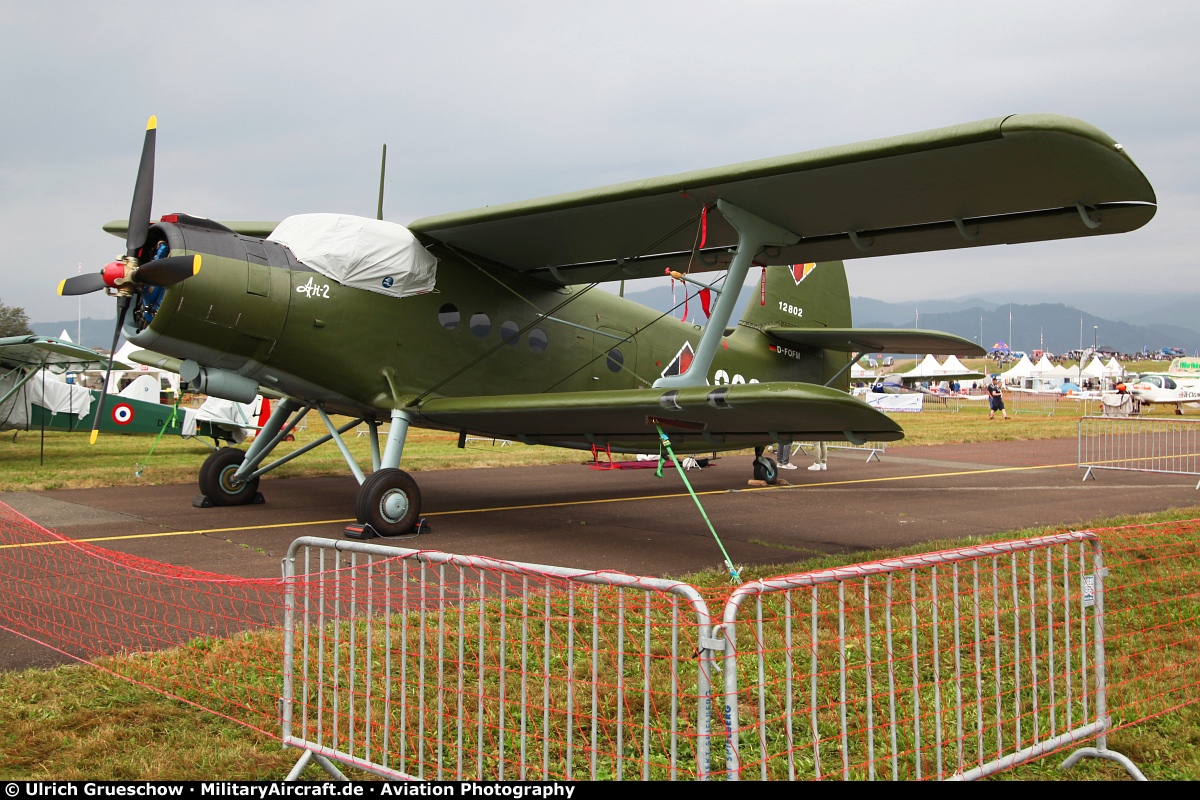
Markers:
(931, 370)
(1112, 369)
(954, 365)
(859, 374)
(66, 337)
(1095, 369)
(1043, 367)
(928, 369)
(1021, 369)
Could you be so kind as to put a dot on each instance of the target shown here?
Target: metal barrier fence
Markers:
(950, 665)
(404, 663)
(1139, 444)
(872, 449)
(1043, 403)
(951, 403)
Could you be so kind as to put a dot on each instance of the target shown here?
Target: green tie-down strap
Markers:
(169, 424)
(665, 443)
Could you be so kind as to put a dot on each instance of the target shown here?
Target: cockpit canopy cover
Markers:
(364, 253)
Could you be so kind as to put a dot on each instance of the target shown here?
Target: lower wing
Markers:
(697, 419)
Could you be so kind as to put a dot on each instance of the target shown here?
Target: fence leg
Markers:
(1105, 753)
(323, 762)
(1089, 474)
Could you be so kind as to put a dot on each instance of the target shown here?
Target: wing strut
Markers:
(754, 234)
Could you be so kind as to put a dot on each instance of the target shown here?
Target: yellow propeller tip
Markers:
(152, 123)
(94, 435)
(61, 284)
(196, 264)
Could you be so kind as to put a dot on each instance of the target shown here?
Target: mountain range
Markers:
(1039, 321)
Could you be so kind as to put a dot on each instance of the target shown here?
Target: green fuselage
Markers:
(363, 353)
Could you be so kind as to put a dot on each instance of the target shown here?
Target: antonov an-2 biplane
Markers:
(485, 322)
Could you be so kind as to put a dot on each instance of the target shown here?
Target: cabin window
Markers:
(481, 324)
(509, 331)
(538, 341)
(615, 360)
(448, 315)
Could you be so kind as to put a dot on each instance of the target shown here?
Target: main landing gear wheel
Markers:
(765, 470)
(389, 501)
(217, 481)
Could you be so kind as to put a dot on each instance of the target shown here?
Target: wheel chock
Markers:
(204, 501)
(363, 530)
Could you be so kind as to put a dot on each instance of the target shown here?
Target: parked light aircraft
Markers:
(1160, 389)
(487, 322)
(32, 400)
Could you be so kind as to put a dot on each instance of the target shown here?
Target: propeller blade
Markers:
(81, 284)
(143, 193)
(122, 307)
(168, 271)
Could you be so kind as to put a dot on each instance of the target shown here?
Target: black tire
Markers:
(216, 479)
(389, 501)
(765, 470)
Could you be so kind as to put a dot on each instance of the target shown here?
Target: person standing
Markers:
(995, 399)
(820, 456)
(783, 454)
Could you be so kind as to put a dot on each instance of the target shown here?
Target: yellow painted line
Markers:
(562, 504)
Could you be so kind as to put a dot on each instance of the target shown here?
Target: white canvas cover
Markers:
(369, 254)
(48, 391)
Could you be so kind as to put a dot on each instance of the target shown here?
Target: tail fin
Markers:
(801, 296)
(804, 296)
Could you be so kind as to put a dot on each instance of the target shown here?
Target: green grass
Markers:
(79, 722)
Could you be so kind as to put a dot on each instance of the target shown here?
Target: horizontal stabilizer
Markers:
(876, 340)
(698, 419)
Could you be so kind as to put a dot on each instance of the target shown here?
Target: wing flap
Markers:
(876, 340)
(697, 419)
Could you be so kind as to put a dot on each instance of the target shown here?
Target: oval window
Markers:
(615, 360)
(448, 315)
(538, 341)
(509, 332)
(480, 324)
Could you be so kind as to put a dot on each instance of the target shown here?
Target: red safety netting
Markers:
(476, 668)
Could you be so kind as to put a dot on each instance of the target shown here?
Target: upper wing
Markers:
(697, 419)
(876, 340)
(45, 351)
(1012, 179)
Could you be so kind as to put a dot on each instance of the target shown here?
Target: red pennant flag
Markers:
(706, 301)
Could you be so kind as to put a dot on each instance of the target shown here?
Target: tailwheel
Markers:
(217, 480)
(765, 470)
(389, 501)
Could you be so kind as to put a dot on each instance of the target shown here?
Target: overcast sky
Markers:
(268, 109)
